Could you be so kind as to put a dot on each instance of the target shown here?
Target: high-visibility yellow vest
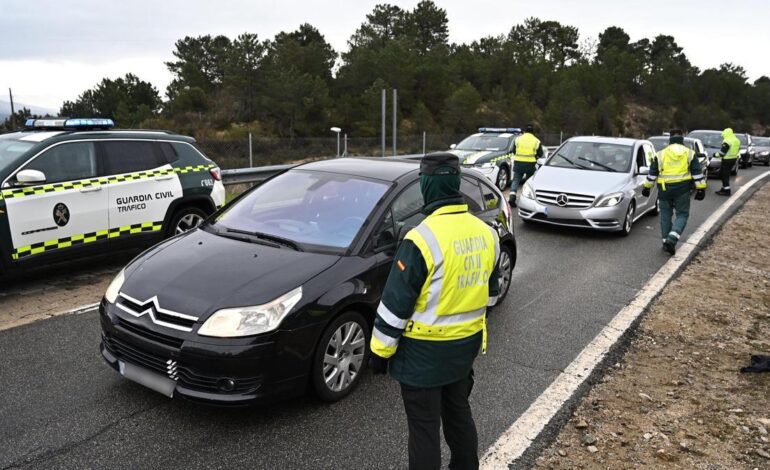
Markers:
(460, 252)
(735, 147)
(674, 164)
(526, 148)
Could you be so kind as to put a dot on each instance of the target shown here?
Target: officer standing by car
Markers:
(675, 169)
(730, 151)
(527, 150)
(431, 322)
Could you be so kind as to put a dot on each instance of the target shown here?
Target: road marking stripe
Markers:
(519, 436)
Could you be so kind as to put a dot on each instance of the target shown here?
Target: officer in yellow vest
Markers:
(730, 151)
(431, 322)
(527, 150)
(676, 171)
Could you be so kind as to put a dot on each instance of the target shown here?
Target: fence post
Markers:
(395, 119)
(561, 137)
(345, 151)
(251, 154)
(423, 143)
(384, 103)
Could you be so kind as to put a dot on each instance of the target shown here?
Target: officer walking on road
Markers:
(527, 150)
(730, 151)
(675, 169)
(431, 322)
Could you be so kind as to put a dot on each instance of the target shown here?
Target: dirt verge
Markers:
(677, 399)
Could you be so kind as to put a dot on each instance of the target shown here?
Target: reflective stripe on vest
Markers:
(452, 302)
(526, 148)
(735, 147)
(674, 164)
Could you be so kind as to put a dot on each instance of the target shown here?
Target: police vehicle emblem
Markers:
(61, 214)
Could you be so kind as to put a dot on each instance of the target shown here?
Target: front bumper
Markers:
(609, 219)
(759, 158)
(224, 374)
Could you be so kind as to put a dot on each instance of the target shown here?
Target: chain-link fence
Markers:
(261, 151)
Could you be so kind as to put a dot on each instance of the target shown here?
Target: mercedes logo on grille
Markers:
(562, 200)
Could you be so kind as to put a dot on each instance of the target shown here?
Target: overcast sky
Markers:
(52, 50)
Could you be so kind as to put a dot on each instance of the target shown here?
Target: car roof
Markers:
(686, 139)
(67, 135)
(705, 131)
(382, 168)
(609, 140)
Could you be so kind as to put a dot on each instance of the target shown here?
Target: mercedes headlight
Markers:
(610, 200)
(765, 153)
(527, 192)
(114, 288)
(248, 321)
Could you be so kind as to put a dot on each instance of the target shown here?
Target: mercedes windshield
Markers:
(594, 156)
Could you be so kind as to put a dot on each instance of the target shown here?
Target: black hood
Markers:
(201, 272)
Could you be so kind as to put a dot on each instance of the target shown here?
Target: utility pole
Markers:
(384, 103)
(251, 154)
(395, 119)
(13, 112)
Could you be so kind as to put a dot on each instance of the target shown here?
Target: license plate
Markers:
(149, 379)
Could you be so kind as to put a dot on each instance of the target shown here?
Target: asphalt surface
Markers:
(61, 407)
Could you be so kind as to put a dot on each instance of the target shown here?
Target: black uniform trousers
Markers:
(724, 172)
(426, 410)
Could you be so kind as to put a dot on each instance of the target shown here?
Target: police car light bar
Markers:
(512, 130)
(76, 124)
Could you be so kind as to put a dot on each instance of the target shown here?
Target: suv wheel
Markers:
(628, 220)
(507, 262)
(340, 357)
(502, 178)
(185, 219)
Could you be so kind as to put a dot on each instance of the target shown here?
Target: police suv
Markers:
(490, 151)
(75, 187)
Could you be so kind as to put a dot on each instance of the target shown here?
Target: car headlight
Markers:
(610, 200)
(248, 321)
(114, 288)
(486, 165)
(527, 192)
(765, 153)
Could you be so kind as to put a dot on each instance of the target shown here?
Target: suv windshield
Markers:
(762, 141)
(709, 139)
(595, 156)
(10, 149)
(491, 142)
(315, 209)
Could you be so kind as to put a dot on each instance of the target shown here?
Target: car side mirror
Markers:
(541, 161)
(644, 170)
(30, 177)
(452, 147)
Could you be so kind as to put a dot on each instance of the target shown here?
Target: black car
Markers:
(762, 148)
(712, 140)
(748, 152)
(278, 290)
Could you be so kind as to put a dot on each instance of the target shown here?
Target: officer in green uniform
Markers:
(527, 150)
(676, 171)
(431, 322)
(730, 151)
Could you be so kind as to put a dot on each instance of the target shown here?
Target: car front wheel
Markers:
(507, 262)
(502, 178)
(628, 220)
(185, 219)
(340, 357)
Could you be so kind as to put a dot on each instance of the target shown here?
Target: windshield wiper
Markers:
(249, 237)
(608, 168)
(569, 161)
(277, 239)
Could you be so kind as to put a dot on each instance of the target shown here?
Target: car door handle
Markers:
(91, 189)
(163, 178)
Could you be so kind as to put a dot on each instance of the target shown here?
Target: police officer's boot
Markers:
(725, 191)
(512, 199)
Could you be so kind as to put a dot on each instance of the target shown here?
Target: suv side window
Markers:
(66, 162)
(130, 156)
(407, 208)
(471, 193)
(168, 152)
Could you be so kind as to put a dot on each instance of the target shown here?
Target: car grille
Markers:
(171, 368)
(576, 201)
(138, 309)
(149, 334)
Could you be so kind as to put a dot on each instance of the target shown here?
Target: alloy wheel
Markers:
(502, 179)
(629, 220)
(344, 356)
(188, 222)
(506, 270)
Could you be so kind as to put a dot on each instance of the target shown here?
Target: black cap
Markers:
(675, 132)
(440, 163)
(529, 128)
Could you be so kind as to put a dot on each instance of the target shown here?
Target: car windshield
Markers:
(595, 156)
(491, 142)
(709, 139)
(762, 141)
(310, 209)
(659, 143)
(742, 137)
(10, 149)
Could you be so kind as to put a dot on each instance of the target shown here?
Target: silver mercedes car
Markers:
(591, 182)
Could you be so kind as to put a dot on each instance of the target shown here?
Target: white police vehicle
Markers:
(71, 188)
(490, 152)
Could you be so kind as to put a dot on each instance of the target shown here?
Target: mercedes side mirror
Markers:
(30, 177)
(541, 161)
(644, 170)
(452, 147)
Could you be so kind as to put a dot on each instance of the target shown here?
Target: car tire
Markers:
(656, 209)
(502, 178)
(185, 219)
(344, 339)
(628, 220)
(507, 263)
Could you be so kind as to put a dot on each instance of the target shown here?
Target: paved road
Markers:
(62, 408)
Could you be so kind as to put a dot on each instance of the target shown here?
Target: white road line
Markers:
(78, 310)
(517, 438)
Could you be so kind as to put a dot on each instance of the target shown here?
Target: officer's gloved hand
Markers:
(379, 365)
(700, 194)
(646, 192)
